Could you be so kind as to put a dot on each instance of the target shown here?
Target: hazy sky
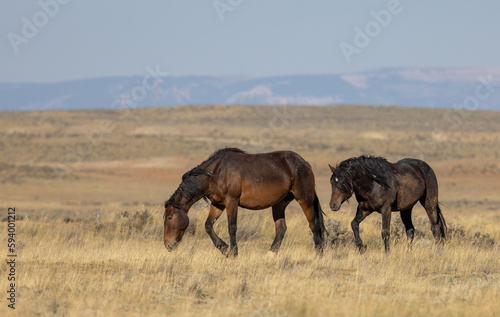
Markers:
(51, 40)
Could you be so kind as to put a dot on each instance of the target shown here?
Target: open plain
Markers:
(88, 188)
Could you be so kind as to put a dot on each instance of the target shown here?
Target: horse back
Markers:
(417, 167)
(282, 164)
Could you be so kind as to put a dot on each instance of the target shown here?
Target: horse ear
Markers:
(332, 168)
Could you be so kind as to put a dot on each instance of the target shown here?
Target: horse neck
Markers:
(183, 201)
(188, 198)
(361, 183)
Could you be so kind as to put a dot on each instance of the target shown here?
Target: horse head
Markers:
(175, 223)
(342, 187)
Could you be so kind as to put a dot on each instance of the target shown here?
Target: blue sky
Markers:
(86, 39)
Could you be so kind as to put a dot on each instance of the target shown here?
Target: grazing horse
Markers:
(385, 187)
(230, 178)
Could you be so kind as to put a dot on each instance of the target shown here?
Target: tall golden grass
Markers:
(116, 265)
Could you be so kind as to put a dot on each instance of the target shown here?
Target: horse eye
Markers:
(336, 179)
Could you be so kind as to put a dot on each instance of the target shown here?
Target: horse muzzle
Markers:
(170, 247)
(334, 206)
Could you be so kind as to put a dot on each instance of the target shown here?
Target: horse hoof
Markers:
(232, 253)
(362, 248)
(223, 249)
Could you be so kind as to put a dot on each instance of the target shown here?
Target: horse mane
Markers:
(222, 152)
(199, 170)
(375, 167)
(188, 186)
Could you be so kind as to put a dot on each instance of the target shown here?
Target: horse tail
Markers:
(318, 217)
(441, 222)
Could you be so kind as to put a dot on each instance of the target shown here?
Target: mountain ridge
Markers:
(469, 88)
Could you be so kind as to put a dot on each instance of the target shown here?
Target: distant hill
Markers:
(425, 87)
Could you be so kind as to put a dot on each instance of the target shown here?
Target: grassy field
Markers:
(88, 188)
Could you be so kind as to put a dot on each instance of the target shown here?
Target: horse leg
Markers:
(386, 226)
(432, 213)
(406, 218)
(360, 216)
(213, 215)
(308, 209)
(279, 221)
(232, 215)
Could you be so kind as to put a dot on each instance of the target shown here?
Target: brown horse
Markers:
(384, 187)
(230, 178)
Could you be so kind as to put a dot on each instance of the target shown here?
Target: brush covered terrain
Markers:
(88, 188)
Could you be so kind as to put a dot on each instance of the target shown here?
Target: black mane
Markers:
(223, 151)
(188, 186)
(199, 170)
(376, 168)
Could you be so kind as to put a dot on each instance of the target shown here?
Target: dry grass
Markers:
(118, 266)
(71, 264)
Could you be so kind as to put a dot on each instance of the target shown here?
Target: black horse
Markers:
(385, 187)
(230, 178)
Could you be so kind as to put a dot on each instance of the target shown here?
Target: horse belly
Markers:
(261, 196)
